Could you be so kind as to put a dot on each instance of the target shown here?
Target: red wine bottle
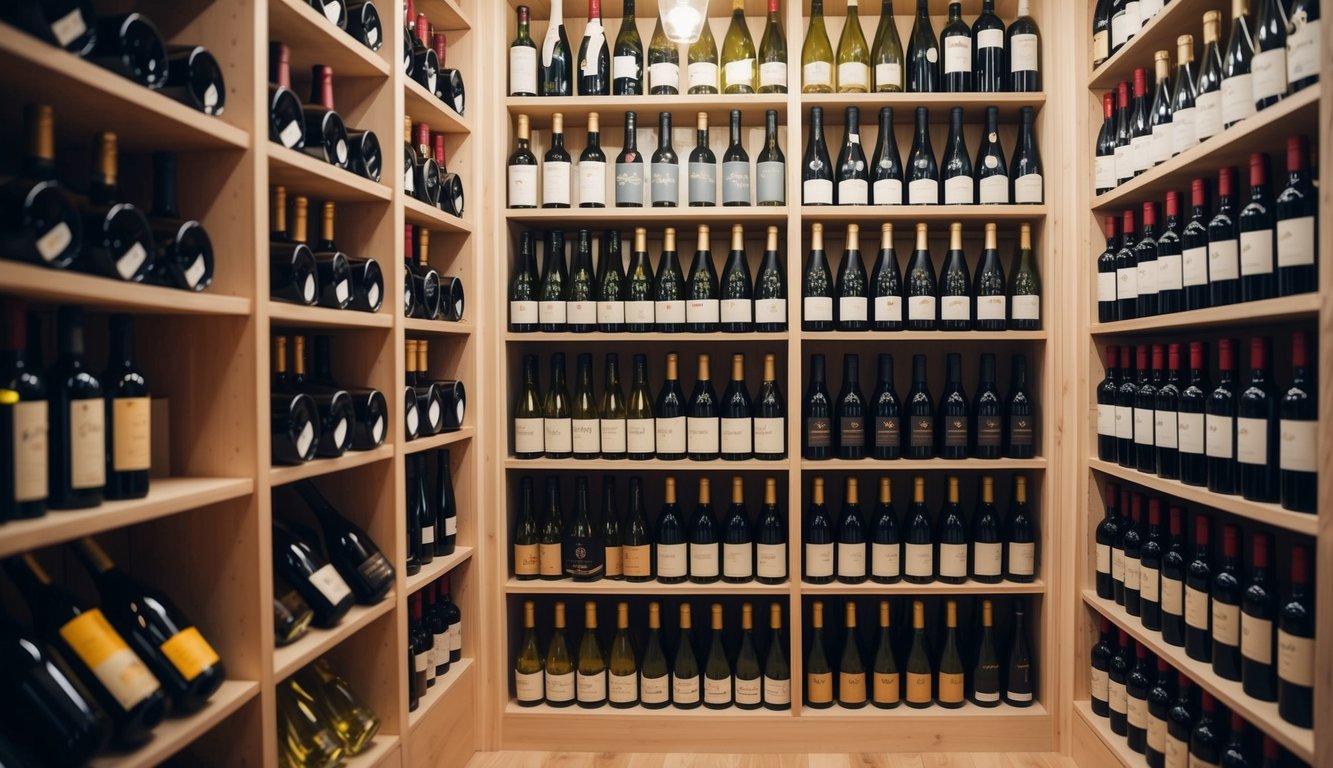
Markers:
(987, 413)
(1140, 130)
(77, 438)
(1145, 407)
(1124, 411)
(1137, 683)
(1220, 442)
(1131, 538)
(1295, 645)
(1107, 447)
(1258, 613)
(128, 416)
(1145, 263)
(1257, 434)
(1150, 568)
(1191, 421)
(1124, 134)
(1173, 580)
(425, 67)
(1297, 231)
(1194, 248)
(1126, 272)
(1102, 652)
(1117, 695)
(1106, 534)
(449, 86)
(1104, 173)
(850, 413)
(1166, 420)
(1297, 427)
(286, 120)
(1257, 236)
(1224, 244)
(886, 414)
(451, 199)
(817, 412)
(23, 417)
(1170, 275)
(38, 220)
(326, 135)
(1107, 308)
(1226, 595)
(920, 414)
(1198, 587)
(1020, 413)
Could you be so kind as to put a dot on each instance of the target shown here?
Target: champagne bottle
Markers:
(852, 173)
(818, 674)
(550, 553)
(737, 423)
(818, 555)
(717, 669)
(851, 670)
(816, 168)
(557, 415)
(771, 165)
(590, 674)
(777, 672)
(1237, 78)
(748, 690)
(529, 690)
(671, 550)
(702, 304)
(640, 426)
(583, 552)
(557, 60)
(886, 54)
(1303, 44)
(355, 556)
(306, 737)
(551, 309)
(622, 669)
(705, 546)
(663, 63)
(886, 683)
(559, 667)
(338, 704)
(527, 562)
(817, 54)
(737, 546)
(670, 419)
(853, 54)
(923, 54)
(702, 70)
(988, 288)
(956, 40)
(770, 539)
(852, 291)
(636, 545)
(669, 292)
(737, 294)
(956, 310)
(773, 53)
(702, 415)
(654, 678)
(627, 73)
(986, 673)
(738, 54)
(686, 690)
(639, 305)
(919, 673)
(923, 174)
(581, 296)
(817, 289)
(851, 547)
(612, 411)
(664, 188)
(949, 687)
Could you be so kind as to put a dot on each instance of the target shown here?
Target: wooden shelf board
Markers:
(423, 107)
(317, 642)
(437, 692)
(290, 474)
(1267, 130)
(845, 214)
(36, 283)
(1117, 745)
(437, 568)
(621, 587)
(442, 440)
(417, 325)
(933, 712)
(651, 465)
(1262, 714)
(918, 337)
(650, 217)
(924, 465)
(636, 338)
(968, 587)
(304, 174)
(444, 14)
(166, 496)
(1006, 9)
(1269, 514)
(286, 314)
(432, 218)
(313, 39)
(1303, 306)
(177, 733)
(611, 109)
(973, 104)
(380, 752)
(661, 717)
(1175, 18)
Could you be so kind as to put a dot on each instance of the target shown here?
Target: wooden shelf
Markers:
(904, 104)
(437, 568)
(969, 587)
(177, 733)
(1117, 745)
(1303, 306)
(611, 109)
(662, 717)
(166, 496)
(88, 99)
(418, 326)
(423, 107)
(1006, 9)
(538, 337)
(920, 337)
(457, 670)
(1264, 131)
(682, 217)
(313, 39)
(923, 465)
(910, 713)
(94, 292)
(912, 214)
(382, 751)
(290, 474)
(317, 642)
(620, 587)
(650, 465)
(444, 14)
(307, 175)
(1262, 714)
(1176, 18)
(1268, 514)
(442, 440)
(432, 218)
(285, 314)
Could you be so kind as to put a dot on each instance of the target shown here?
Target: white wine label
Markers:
(291, 134)
(818, 308)
(777, 692)
(555, 183)
(1101, 684)
(1173, 596)
(853, 192)
(1138, 712)
(1140, 153)
(1219, 440)
(1118, 697)
(610, 312)
(1023, 53)
(1124, 422)
(639, 312)
(853, 308)
(702, 183)
(131, 434)
(552, 312)
(817, 73)
(623, 689)
(1297, 451)
(1118, 564)
(672, 561)
(1143, 426)
(1103, 558)
(625, 67)
(918, 560)
(654, 690)
(1127, 283)
(717, 691)
(307, 435)
(1252, 441)
(1295, 242)
(523, 186)
(770, 310)
(1132, 573)
(308, 289)
(1270, 73)
(748, 692)
(1106, 286)
(612, 433)
(330, 584)
(737, 436)
(68, 27)
(987, 558)
(1237, 98)
(130, 261)
(772, 74)
(640, 436)
(736, 310)
(1103, 172)
(991, 307)
(704, 560)
(527, 561)
(592, 182)
(923, 192)
(671, 434)
(953, 560)
(887, 192)
(1256, 639)
(739, 73)
(590, 688)
(701, 435)
(772, 561)
(888, 309)
(669, 311)
(1190, 430)
(852, 560)
(1022, 558)
(550, 559)
(818, 560)
(428, 534)
(886, 74)
(1295, 659)
(111, 661)
(522, 70)
(594, 39)
(557, 435)
(586, 434)
(920, 307)
(885, 560)
(451, 526)
(1302, 48)
(1196, 608)
(528, 686)
(990, 38)
(1028, 188)
(87, 443)
(581, 312)
(769, 435)
(1164, 433)
(737, 561)
(1160, 147)
(664, 74)
(1226, 623)
(1207, 115)
(702, 311)
(817, 192)
(771, 186)
(1256, 252)
(560, 687)
(702, 74)
(1156, 734)
(1026, 307)
(1169, 276)
(853, 74)
(56, 239)
(957, 54)
(932, 54)
(1106, 420)
(995, 190)
(957, 190)
(1183, 134)
(1149, 584)
(1177, 752)
(1194, 266)
(684, 690)
(30, 449)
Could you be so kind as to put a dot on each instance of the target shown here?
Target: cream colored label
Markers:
(1177, 752)
(749, 692)
(1256, 639)
(684, 690)
(1026, 307)
(777, 692)
(769, 435)
(612, 435)
(1118, 697)
(987, 558)
(1149, 585)
(704, 560)
(1295, 242)
(549, 556)
(1022, 558)
(529, 435)
(920, 307)
(131, 434)
(701, 435)
(1132, 574)
(919, 560)
(638, 561)
(671, 560)
(68, 27)
(87, 444)
(1103, 558)
(1118, 564)
(586, 436)
(923, 192)
(853, 74)
(818, 560)
(951, 687)
(1196, 608)
(639, 436)
(1295, 659)
(528, 686)
(664, 74)
(560, 687)
(772, 561)
(330, 584)
(957, 54)
(852, 560)
(1252, 441)
(737, 561)
(527, 561)
(1219, 439)
(885, 560)
(1101, 683)
(671, 435)
(558, 435)
(1157, 728)
(654, 690)
(717, 691)
(958, 190)
(953, 560)
(1297, 452)
(1173, 596)
(590, 688)
(623, 689)
(737, 436)
(1138, 712)
(1226, 623)
(817, 73)
(56, 239)
(30, 450)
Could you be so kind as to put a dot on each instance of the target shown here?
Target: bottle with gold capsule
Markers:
(777, 672)
(885, 540)
(529, 690)
(654, 678)
(747, 689)
(119, 241)
(986, 675)
(737, 545)
(686, 689)
(559, 679)
(818, 673)
(590, 685)
(920, 677)
(886, 684)
(718, 692)
(851, 670)
(949, 688)
(622, 669)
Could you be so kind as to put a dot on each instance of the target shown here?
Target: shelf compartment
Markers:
(969, 587)
(437, 568)
(1268, 514)
(1174, 19)
(923, 465)
(1019, 714)
(1113, 743)
(684, 217)
(432, 218)
(611, 109)
(290, 474)
(912, 214)
(317, 642)
(313, 39)
(307, 175)
(417, 325)
(621, 587)
(661, 717)
(444, 14)
(36, 283)
(651, 465)
(673, 338)
(1304, 306)
(177, 733)
(1268, 130)
(88, 99)
(166, 496)
(424, 107)
(974, 104)
(882, 337)
(1262, 714)
(457, 671)
(443, 440)
(382, 751)
(284, 314)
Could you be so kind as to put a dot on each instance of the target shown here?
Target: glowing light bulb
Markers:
(683, 20)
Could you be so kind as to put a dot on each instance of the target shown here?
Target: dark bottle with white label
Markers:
(629, 178)
(922, 173)
(1298, 477)
(737, 422)
(919, 289)
(817, 411)
(886, 285)
(851, 535)
(1257, 433)
(702, 416)
(1297, 230)
(1258, 279)
(1226, 596)
(885, 540)
(737, 294)
(850, 412)
(853, 301)
(886, 166)
(955, 297)
(1166, 419)
(1220, 422)
(770, 416)
(817, 286)
(702, 303)
(1224, 244)
(920, 416)
(128, 416)
(77, 437)
(664, 181)
(735, 166)
(1198, 588)
(956, 168)
(818, 554)
(851, 175)
(816, 167)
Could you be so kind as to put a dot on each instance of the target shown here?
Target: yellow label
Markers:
(549, 556)
(30, 457)
(819, 687)
(851, 687)
(613, 561)
(918, 688)
(637, 561)
(97, 645)
(131, 434)
(8, 397)
(87, 444)
(92, 637)
(951, 688)
(886, 688)
(189, 652)
(526, 560)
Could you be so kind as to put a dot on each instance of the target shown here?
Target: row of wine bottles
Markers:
(78, 436)
(1115, 22)
(612, 299)
(87, 674)
(303, 270)
(128, 45)
(358, 18)
(1251, 440)
(426, 293)
(433, 405)
(1165, 717)
(426, 175)
(312, 415)
(1205, 602)
(424, 60)
(314, 127)
(321, 718)
(1263, 250)
(435, 638)
(100, 232)
(952, 300)
(661, 178)
(432, 512)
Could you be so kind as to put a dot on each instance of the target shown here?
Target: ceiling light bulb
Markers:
(683, 20)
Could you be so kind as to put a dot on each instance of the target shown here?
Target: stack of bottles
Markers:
(321, 720)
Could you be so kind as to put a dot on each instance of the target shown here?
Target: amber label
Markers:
(918, 688)
(819, 687)
(30, 459)
(886, 688)
(851, 687)
(189, 652)
(527, 560)
(951, 687)
(637, 561)
(131, 433)
(614, 565)
(87, 444)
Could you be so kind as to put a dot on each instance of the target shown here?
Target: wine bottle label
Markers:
(1023, 53)
(1172, 596)
(885, 687)
(131, 434)
(748, 692)
(851, 431)
(1104, 174)
(612, 434)
(853, 309)
(591, 688)
(1196, 608)
(853, 192)
(1183, 132)
(629, 184)
(987, 558)
(583, 556)
(736, 182)
(738, 73)
(919, 560)
(1118, 564)
(888, 309)
(560, 687)
(1177, 752)
(522, 70)
(1118, 697)
(29, 448)
(921, 308)
(610, 312)
(817, 191)
(736, 310)
(664, 74)
(592, 182)
(852, 560)
(1295, 659)
(669, 311)
(703, 183)
(1302, 47)
(773, 74)
(885, 560)
(958, 190)
(413, 421)
(777, 692)
(439, 651)
(818, 432)
(987, 696)
(640, 312)
(994, 189)
(1169, 275)
(625, 67)
(581, 312)
(1156, 734)
(1124, 422)
(1143, 426)
(189, 653)
(772, 177)
(819, 560)
(888, 73)
(1149, 9)
(586, 434)
(951, 687)
(1127, 283)
(1207, 115)
(1226, 623)
(557, 435)
(1220, 439)
(1028, 188)
(428, 534)
(702, 74)
(654, 690)
(817, 73)
(986, 38)
(1297, 451)
(637, 560)
(1106, 286)
(1160, 148)
(717, 691)
(922, 433)
(528, 686)
(1149, 585)
(1022, 558)
(1165, 431)
(671, 433)
(853, 74)
(923, 192)
(918, 688)
(87, 443)
(737, 561)
(1103, 558)
(887, 192)
(769, 435)
(528, 435)
(526, 562)
(1101, 684)
(111, 661)
(551, 558)
(640, 436)
(1256, 252)
(955, 432)
(551, 312)
(1256, 639)
(1126, 24)
(1237, 98)
(1025, 307)
(819, 687)
(772, 561)
(851, 687)
(958, 54)
(684, 690)
(818, 308)
(1295, 242)
(1252, 441)
(555, 183)
(995, 307)
(1190, 431)
(737, 436)
(1140, 153)
(704, 560)
(953, 560)
(956, 308)
(522, 186)
(702, 435)
(702, 311)
(1138, 713)
(127, 265)
(665, 179)
(330, 584)
(623, 689)
(672, 561)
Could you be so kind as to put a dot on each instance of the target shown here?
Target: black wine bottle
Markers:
(736, 292)
(1297, 464)
(737, 424)
(1220, 420)
(920, 285)
(702, 307)
(886, 285)
(851, 175)
(923, 173)
(817, 413)
(852, 291)
(818, 553)
(920, 414)
(817, 286)
(956, 167)
(955, 420)
(1296, 226)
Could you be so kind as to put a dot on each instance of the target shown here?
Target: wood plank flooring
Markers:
(516, 759)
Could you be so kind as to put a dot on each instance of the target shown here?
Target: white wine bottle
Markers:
(851, 670)
(591, 675)
(816, 54)
(773, 53)
(702, 70)
(886, 54)
(623, 686)
(717, 670)
(919, 675)
(685, 684)
(559, 664)
(528, 669)
(777, 672)
(853, 55)
(738, 54)
(748, 687)
(654, 679)
(818, 674)
(663, 64)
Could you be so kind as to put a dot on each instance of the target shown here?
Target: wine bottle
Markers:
(1159, 711)
(919, 674)
(523, 64)
(557, 413)
(1025, 168)
(654, 679)
(550, 553)
(665, 177)
(557, 61)
(672, 549)
(185, 259)
(1169, 277)
(1295, 645)
(1225, 608)
(956, 40)
(1238, 100)
(1257, 236)
(119, 239)
(1296, 410)
(128, 415)
(686, 688)
(1020, 557)
(1257, 429)
(639, 305)
(1125, 161)
(1159, 114)
(853, 75)
(736, 423)
(1191, 421)
(24, 418)
(629, 170)
(992, 172)
(299, 562)
(986, 673)
(851, 669)
(353, 554)
(326, 134)
(1145, 404)
(952, 556)
(885, 690)
(737, 547)
(773, 54)
(702, 417)
(1198, 588)
(735, 166)
(771, 164)
(923, 54)
(1296, 228)
(1107, 440)
(918, 547)
(1106, 536)
(777, 672)
(738, 54)
(131, 46)
(1166, 420)
(702, 63)
(851, 535)
(446, 507)
(1023, 41)
(987, 545)
(332, 266)
(1150, 567)
(556, 166)
(612, 542)
(1108, 308)
(1172, 582)
(852, 174)
(920, 414)
(770, 539)
(1208, 99)
(529, 690)
(818, 673)
(1127, 272)
(1137, 683)
(1125, 396)
(818, 557)
(612, 413)
(1131, 541)
(955, 286)
(959, 184)
(818, 287)
(78, 436)
(1220, 442)
(988, 62)
(737, 302)
(670, 416)
(581, 296)
(663, 66)
(1184, 114)
(1258, 611)
(1117, 694)
(1104, 159)
(1303, 44)
(923, 174)
(748, 680)
(71, 26)
(886, 170)
(421, 518)
(949, 682)
(705, 547)
(669, 289)
(886, 54)
(702, 169)
(1024, 286)
(954, 423)
(702, 305)
(584, 553)
(59, 719)
(817, 187)
(1180, 722)
(640, 427)
(560, 668)
(1194, 244)
(817, 73)
(527, 561)
(886, 414)
(636, 544)
(592, 167)
(552, 311)
(920, 285)
(850, 414)
(590, 672)
(41, 223)
(594, 73)
(817, 411)
(718, 688)
(886, 285)
(622, 669)
(529, 427)
(611, 284)
(852, 291)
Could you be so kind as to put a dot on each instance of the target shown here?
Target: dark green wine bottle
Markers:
(989, 287)
(611, 285)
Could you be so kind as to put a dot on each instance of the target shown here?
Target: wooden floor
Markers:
(813, 760)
